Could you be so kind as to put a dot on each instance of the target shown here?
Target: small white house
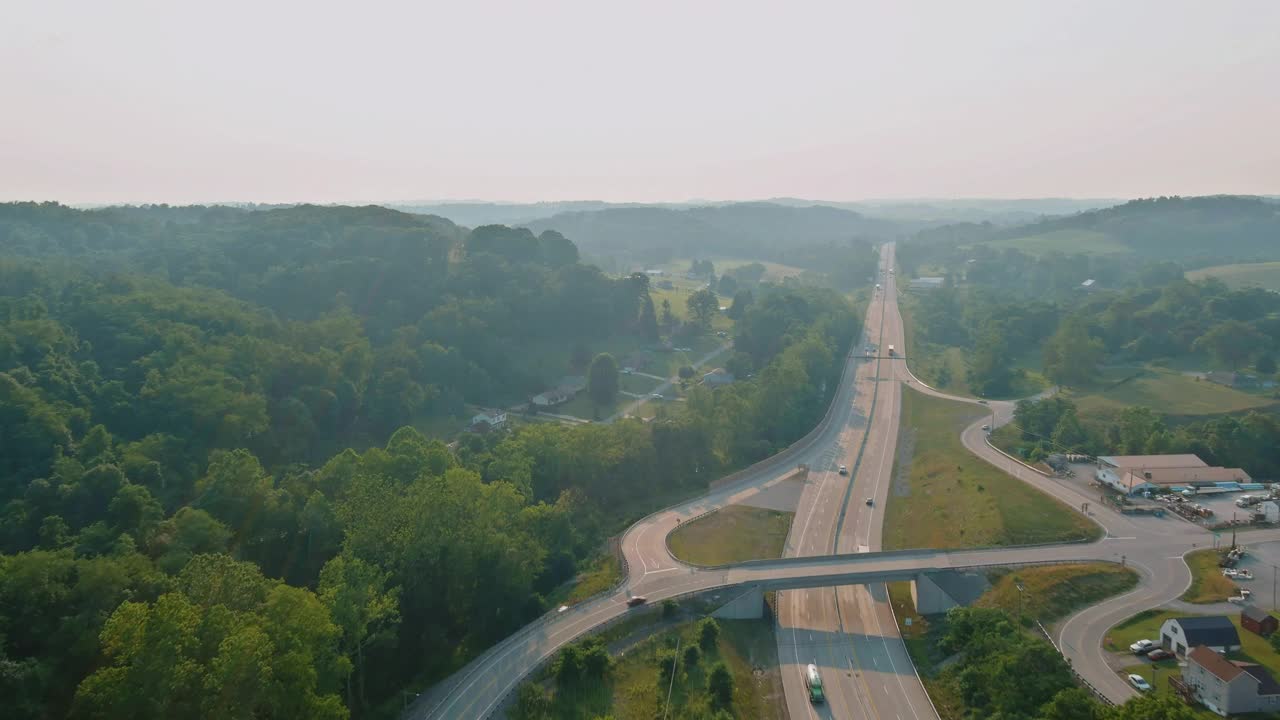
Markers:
(1216, 632)
(492, 418)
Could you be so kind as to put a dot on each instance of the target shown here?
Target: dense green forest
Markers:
(212, 501)
(1002, 671)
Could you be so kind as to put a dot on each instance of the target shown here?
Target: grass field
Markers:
(1051, 592)
(1068, 242)
(633, 690)
(731, 534)
(1162, 390)
(1207, 583)
(1262, 275)
(952, 499)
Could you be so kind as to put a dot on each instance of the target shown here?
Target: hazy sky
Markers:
(183, 101)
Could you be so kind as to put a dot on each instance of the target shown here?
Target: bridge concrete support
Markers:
(938, 592)
(747, 606)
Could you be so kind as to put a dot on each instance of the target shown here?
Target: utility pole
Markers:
(1021, 589)
(674, 662)
(1274, 571)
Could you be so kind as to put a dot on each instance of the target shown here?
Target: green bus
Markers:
(813, 681)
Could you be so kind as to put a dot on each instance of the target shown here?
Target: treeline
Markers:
(1004, 672)
(181, 537)
(1043, 427)
(1142, 323)
(446, 305)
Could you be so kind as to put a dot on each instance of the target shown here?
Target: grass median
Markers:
(945, 497)
(1208, 585)
(731, 534)
(1051, 592)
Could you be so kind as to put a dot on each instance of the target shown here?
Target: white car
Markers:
(656, 396)
(1142, 647)
(1140, 683)
(1230, 572)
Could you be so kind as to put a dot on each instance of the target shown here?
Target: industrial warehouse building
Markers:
(1132, 474)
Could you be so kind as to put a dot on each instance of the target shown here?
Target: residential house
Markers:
(1230, 687)
(552, 397)
(925, 283)
(489, 419)
(1258, 621)
(1178, 635)
(717, 377)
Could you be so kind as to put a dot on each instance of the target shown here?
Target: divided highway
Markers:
(848, 630)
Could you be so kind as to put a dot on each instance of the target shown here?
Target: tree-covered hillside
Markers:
(210, 503)
(758, 230)
(1194, 231)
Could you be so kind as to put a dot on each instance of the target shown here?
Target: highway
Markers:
(848, 630)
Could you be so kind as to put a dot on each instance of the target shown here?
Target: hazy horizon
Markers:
(135, 102)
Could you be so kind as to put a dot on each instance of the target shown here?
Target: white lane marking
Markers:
(1122, 538)
(655, 572)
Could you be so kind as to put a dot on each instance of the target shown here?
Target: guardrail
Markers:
(1098, 694)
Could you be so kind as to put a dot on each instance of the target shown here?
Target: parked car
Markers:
(1244, 575)
(637, 601)
(1142, 647)
(983, 402)
(1141, 684)
(986, 428)
(1230, 572)
(1159, 654)
(656, 396)
(844, 470)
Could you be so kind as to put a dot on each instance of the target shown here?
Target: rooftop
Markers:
(1211, 630)
(1217, 665)
(1267, 685)
(1182, 475)
(1147, 462)
(1255, 613)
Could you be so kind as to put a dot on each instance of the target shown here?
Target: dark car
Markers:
(1159, 654)
(637, 601)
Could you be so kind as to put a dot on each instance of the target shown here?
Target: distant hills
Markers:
(761, 230)
(1190, 229)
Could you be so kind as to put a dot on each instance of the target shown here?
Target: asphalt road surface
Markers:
(850, 631)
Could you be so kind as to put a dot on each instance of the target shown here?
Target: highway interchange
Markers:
(848, 630)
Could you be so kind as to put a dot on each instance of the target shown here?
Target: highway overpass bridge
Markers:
(941, 579)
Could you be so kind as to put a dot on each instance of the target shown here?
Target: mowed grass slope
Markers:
(731, 534)
(1264, 275)
(1164, 391)
(1207, 582)
(1051, 592)
(952, 499)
